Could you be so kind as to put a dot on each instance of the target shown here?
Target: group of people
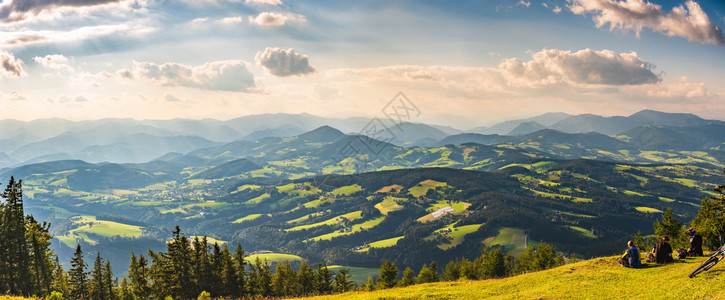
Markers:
(662, 252)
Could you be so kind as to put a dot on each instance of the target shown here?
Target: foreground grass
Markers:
(600, 278)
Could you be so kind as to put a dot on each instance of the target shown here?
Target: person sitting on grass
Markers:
(663, 251)
(630, 259)
(695, 243)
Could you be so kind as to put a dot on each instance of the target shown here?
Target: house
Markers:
(440, 212)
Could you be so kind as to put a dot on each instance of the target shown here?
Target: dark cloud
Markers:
(10, 66)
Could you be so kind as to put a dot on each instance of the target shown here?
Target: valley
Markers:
(326, 196)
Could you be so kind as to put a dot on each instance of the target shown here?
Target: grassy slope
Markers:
(600, 278)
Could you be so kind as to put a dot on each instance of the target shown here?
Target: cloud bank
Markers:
(582, 67)
(231, 75)
(688, 21)
(282, 63)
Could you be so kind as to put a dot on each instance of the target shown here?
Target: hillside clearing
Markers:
(600, 278)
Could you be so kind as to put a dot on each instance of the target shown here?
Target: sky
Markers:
(460, 63)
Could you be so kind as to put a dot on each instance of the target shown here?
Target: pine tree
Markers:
(60, 280)
(388, 275)
(217, 267)
(323, 276)
(284, 281)
(77, 276)
(452, 271)
(342, 281)
(15, 264)
(202, 273)
(306, 278)
(671, 227)
(264, 283)
(434, 269)
(230, 281)
(109, 282)
(425, 275)
(38, 236)
(240, 265)
(408, 278)
(160, 275)
(179, 262)
(97, 287)
(368, 285)
(124, 291)
(138, 273)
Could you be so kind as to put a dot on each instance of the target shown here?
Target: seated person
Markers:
(695, 243)
(663, 251)
(630, 259)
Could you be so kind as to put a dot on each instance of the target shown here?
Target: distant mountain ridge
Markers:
(139, 141)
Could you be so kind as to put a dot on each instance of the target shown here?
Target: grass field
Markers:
(273, 257)
(600, 278)
(347, 190)
(457, 235)
(583, 232)
(355, 228)
(334, 220)
(384, 243)
(391, 188)
(307, 217)
(257, 199)
(388, 205)
(89, 225)
(357, 274)
(247, 218)
(424, 186)
(645, 209)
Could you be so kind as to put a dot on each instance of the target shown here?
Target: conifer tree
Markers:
(323, 283)
(671, 227)
(264, 283)
(388, 275)
(77, 276)
(124, 291)
(342, 281)
(217, 267)
(306, 278)
(60, 280)
(109, 282)
(408, 278)
(240, 264)
(38, 236)
(434, 269)
(202, 265)
(425, 275)
(230, 281)
(98, 290)
(179, 263)
(15, 259)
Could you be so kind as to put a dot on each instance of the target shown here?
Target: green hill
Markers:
(600, 278)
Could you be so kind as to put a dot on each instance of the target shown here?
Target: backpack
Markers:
(681, 253)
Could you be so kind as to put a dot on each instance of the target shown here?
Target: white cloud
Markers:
(276, 19)
(523, 3)
(688, 21)
(586, 66)
(54, 62)
(231, 75)
(230, 20)
(199, 20)
(281, 62)
(264, 2)
(13, 96)
(10, 39)
(556, 9)
(19, 10)
(10, 66)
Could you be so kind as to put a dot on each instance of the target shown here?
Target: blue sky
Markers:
(463, 63)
